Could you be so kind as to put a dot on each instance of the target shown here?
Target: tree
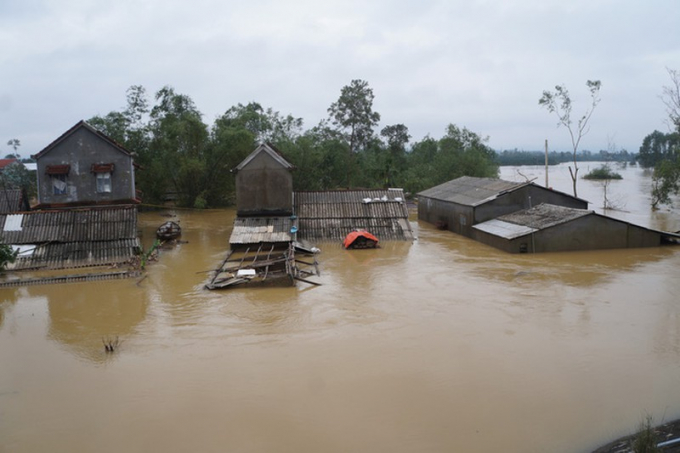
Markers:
(662, 151)
(559, 102)
(7, 255)
(397, 138)
(671, 99)
(354, 118)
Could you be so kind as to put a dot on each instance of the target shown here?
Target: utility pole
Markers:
(547, 186)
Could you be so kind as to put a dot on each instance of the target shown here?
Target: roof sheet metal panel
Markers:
(470, 191)
(331, 215)
(253, 230)
(10, 200)
(78, 254)
(545, 216)
(504, 229)
(100, 224)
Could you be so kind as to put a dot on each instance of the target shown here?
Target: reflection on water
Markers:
(440, 345)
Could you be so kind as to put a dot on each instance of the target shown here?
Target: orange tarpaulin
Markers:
(350, 238)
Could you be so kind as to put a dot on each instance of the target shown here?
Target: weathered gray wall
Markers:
(264, 187)
(80, 150)
(460, 218)
(457, 218)
(591, 232)
(525, 198)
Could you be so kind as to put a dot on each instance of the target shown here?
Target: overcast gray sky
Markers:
(482, 64)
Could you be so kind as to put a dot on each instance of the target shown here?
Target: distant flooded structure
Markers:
(527, 218)
(550, 228)
(460, 204)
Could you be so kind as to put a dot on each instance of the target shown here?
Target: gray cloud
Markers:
(479, 64)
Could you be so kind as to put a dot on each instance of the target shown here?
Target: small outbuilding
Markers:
(460, 204)
(264, 184)
(551, 228)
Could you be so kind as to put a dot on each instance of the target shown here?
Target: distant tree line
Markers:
(179, 153)
(515, 157)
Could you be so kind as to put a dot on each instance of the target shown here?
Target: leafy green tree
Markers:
(353, 116)
(665, 182)
(178, 142)
(7, 255)
(559, 102)
(657, 147)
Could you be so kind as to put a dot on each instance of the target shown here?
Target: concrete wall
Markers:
(264, 187)
(80, 150)
(591, 232)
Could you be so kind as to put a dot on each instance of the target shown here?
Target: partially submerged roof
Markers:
(82, 125)
(254, 230)
(544, 216)
(72, 238)
(331, 215)
(472, 191)
(270, 150)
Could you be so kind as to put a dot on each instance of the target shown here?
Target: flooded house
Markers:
(84, 167)
(86, 214)
(262, 250)
(460, 204)
(273, 223)
(551, 228)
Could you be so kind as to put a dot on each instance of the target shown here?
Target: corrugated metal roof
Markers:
(504, 229)
(470, 191)
(544, 216)
(254, 230)
(93, 224)
(331, 215)
(77, 254)
(11, 200)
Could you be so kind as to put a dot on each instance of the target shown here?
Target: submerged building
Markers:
(550, 228)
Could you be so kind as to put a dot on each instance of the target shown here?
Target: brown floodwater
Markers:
(442, 345)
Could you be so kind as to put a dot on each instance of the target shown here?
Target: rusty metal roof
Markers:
(254, 230)
(331, 215)
(470, 191)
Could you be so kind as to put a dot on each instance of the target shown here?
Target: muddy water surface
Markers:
(437, 346)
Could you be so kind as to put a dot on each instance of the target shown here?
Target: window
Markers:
(58, 184)
(103, 175)
(104, 182)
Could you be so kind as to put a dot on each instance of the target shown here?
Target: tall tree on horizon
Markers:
(353, 116)
(559, 102)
